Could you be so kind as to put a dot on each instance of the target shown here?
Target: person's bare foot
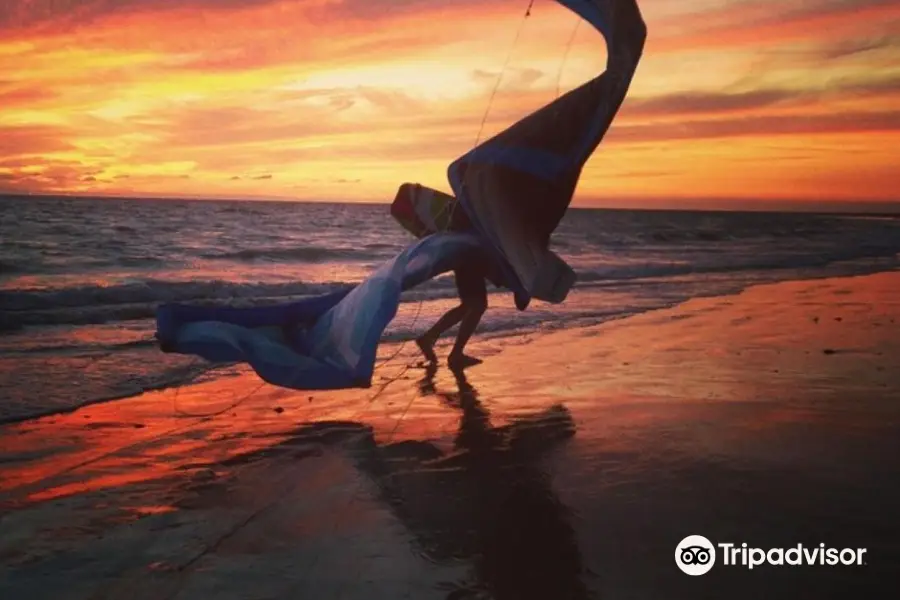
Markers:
(461, 361)
(427, 349)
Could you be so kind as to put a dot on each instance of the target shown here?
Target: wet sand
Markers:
(569, 465)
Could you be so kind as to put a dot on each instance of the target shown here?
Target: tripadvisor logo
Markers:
(696, 555)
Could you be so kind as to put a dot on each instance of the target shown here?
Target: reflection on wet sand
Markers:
(722, 417)
(488, 501)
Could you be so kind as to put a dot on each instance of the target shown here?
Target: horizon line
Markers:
(671, 203)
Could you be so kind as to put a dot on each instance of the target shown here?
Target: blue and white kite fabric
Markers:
(516, 186)
(323, 342)
(514, 189)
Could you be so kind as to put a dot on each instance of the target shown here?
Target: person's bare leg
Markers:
(426, 340)
(467, 327)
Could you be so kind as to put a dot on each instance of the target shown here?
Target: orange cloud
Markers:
(346, 99)
(768, 22)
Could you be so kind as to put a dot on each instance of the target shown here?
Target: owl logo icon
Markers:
(695, 555)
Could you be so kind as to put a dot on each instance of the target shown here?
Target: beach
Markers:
(570, 464)
(81, 279)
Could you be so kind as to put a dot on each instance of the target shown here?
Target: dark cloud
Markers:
(763, 23)
(526, 77)
(342, 101)
(19, 162)
(887, 85)
(391, 101)
(513, 79)
(698, 103)
(54, 175)
(853, 47)
(703, 103)
(484, 76)
(808, 10)
(266, 176)
(847, 122)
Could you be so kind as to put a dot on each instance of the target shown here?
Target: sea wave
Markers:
(125, 387)
(151, 290)
(94, 304)
(658, 266)
(87, 304)
(312, 254)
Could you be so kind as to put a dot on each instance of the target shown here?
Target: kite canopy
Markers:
(516, 187)
(323, 342)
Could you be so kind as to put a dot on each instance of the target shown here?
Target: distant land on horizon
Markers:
(860, 207)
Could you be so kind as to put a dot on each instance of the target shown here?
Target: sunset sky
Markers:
(347, 99)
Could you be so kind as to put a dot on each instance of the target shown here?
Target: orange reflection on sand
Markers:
(153, 510)
(677, 404)
(777, 356)
(102, 480)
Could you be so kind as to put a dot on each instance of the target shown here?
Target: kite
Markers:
(510, 193)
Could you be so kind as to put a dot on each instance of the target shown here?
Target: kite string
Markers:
(394, 355)
(487, 110)
(403, 371)
(452, 205)
(566, 54)
(213, 414)
(502, 72)
(446, 228)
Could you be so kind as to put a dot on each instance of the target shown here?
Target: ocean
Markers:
(80, 278)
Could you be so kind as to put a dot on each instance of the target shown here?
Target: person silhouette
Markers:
(501, 511)
(470, 273)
